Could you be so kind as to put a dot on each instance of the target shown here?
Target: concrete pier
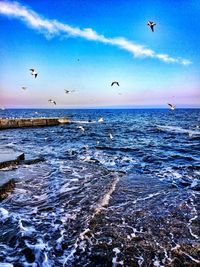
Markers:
(9, 157)
(31, 122)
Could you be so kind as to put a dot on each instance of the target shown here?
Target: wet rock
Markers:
(9, 157)
(7, 185)
(30, 257)
(32, 161)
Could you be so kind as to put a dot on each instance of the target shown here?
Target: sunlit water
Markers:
(129, 201)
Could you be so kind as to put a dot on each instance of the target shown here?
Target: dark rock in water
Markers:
(30, 257)
(7, 185)
(9, 157)
(32, 161)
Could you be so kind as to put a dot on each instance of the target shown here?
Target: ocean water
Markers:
(94, 201)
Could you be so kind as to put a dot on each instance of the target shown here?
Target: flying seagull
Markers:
(33, 72)
(52, 101)
(114, 83)
(101, 120)
(24, 87)
(171, 106)
(68, 91)
(151, 24)
(110, 136)
(81, 128)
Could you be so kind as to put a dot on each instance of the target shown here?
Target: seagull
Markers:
(101, 120)
(151, 24)
(68, 91)
(33, 72)
(172, 107)
(114, 83)
(81, 128)
(111, 136)
(24, 87)
(52, 101)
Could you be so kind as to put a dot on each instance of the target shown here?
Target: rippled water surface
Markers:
(93, 201)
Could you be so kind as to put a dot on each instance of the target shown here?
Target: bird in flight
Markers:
(171, 106)
(110, 136)
(68, 91)
(114, 83)
(81, 128)
(34, 72)
(151, 24)
(52, 101)
(101, 120)
(24, 87)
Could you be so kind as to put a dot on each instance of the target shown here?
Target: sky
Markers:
(85, 45)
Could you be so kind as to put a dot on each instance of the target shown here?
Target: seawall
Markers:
(31, 122)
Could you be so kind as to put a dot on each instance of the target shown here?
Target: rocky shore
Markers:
(11, 158)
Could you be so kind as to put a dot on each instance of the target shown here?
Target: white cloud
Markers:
(53, 27)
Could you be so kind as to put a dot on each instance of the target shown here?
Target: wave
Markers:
(84, 122)
(176, 129)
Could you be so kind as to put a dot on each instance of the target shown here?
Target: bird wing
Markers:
(114, 83)
(32, 69)
(170, 105)
(36, 75)
(152, 28)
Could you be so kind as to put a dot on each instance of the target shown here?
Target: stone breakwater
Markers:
(31, 122)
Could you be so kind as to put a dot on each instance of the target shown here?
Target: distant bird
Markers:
(110, 136)
(151, 24)
(24, 87)
(101, 120)
(52, 101)
(81, 128)
(171, 106)
(33, 72)
(68, 91)
(114, 83)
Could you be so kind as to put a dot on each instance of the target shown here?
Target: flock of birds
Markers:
(34, 72)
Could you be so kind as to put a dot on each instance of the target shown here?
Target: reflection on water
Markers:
(132, 201)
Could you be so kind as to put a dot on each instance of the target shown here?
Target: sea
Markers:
(122, 192)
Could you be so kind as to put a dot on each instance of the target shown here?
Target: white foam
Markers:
(4, 213)
(4, 264)
(105, 200)
(140, 261)
(176, 129)
(116, 263)
(84, 122)
(26, 230)
(193, 259)
(157, 263)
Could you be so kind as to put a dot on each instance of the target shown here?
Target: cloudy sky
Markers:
(84, 45)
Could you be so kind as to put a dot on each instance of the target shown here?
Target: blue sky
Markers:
(85, 45)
